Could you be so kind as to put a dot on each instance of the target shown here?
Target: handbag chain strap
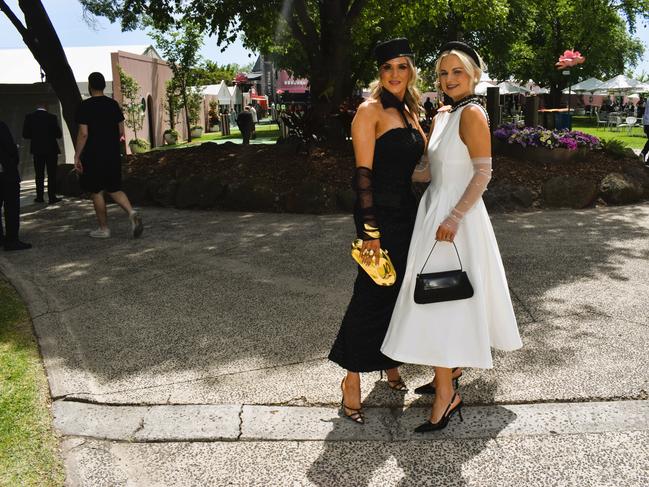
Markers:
(431, 251)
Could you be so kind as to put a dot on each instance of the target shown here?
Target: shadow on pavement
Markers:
(440, 456)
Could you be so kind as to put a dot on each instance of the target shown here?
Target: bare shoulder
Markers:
(473, 114)
(367, 112)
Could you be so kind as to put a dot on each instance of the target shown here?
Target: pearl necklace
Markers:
(468, 100)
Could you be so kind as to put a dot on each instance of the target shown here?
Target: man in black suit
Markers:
(246, 124)
(9, 191)
(43, 129)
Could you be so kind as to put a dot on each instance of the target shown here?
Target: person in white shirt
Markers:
(254, 121)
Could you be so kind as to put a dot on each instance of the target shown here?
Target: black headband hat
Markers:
(387, 50)
(461, 46)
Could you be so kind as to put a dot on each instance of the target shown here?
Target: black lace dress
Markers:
(384, 197)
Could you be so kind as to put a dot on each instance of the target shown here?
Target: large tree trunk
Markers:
(43, 42)
(330, 81)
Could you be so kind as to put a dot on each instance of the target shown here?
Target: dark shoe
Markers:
(396, 385)
(16, 245)
(443, 421)
(137, 227)
(430, 388)
(356, 415)
(55, 200)
(39, 200)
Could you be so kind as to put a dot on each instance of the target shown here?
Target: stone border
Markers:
(230, 422)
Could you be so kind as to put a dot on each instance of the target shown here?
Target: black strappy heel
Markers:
(356, 414)
(430, 388)
(443, 421)
(396, 385)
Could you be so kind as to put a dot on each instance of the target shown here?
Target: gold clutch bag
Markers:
(382, 274)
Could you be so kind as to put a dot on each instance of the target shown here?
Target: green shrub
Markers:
(614, 148)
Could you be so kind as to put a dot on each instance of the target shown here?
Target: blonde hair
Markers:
(412, 95)
(472, 69)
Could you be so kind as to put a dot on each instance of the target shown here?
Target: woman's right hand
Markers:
(371, 250)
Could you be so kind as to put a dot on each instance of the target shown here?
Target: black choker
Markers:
(388, 100)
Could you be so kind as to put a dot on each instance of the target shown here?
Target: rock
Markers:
(522, 196)
(570, 191)
(345, 200)
(136, 190)
(249, 197)
(67, 180)
(620, 189)
(640, 175)
(504, 196)
(310, 197)
(162, 192)
(197, 192)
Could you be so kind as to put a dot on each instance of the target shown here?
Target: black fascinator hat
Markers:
(387, 50)
(462, 47)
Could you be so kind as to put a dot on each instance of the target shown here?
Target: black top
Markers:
(245, 120)
(102, 115)
(8, 151)
(43, 129)
(396, 154)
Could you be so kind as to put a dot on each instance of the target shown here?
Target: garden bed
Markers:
(290, 178)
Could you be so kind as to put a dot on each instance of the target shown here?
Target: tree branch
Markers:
(309, 28)
(16, 21)
(354, 11)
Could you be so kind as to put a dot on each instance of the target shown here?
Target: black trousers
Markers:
(645, 150)
(42, 161)
(246, 136)
(10, 205)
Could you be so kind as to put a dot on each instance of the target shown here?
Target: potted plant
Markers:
(213, 116)
(194, 104)
(170, 136)
(133, 111)
(138, 146)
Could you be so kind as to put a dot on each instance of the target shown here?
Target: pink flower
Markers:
(569, 59)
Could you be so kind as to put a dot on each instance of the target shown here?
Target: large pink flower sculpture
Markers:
(570, 59)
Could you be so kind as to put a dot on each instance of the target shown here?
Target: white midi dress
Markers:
(452, 333)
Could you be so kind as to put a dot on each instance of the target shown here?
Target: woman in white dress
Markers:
(453, 334)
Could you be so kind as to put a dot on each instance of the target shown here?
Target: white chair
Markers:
(629, 123)
(614, 122)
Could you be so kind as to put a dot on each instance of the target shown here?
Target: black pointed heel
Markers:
(430, 388)
(356, 415)
(396, 385)
(443, 421)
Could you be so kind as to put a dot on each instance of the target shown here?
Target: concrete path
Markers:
(196, 355)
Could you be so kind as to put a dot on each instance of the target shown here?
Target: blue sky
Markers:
(66, 15)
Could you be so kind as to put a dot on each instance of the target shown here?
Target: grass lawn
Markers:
(266, 133)
(585, 124)
(28, 447)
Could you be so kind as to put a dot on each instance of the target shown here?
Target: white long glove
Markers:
(472, 193)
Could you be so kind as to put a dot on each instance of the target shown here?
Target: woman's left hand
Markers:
(447, 230)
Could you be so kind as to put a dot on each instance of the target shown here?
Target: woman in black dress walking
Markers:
(388, 143)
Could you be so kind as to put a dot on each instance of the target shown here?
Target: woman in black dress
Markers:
(388, 143)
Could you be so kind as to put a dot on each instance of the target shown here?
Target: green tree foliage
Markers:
(132, 103)
(330, 41)
(211, 73)
(599, 29)
(172, 103)
(179, 43)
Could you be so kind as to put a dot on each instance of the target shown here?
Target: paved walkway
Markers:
(196, 355)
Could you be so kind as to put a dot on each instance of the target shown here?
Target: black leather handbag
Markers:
(435, 287)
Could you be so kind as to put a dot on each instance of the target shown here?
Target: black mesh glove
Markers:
(364, 214)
